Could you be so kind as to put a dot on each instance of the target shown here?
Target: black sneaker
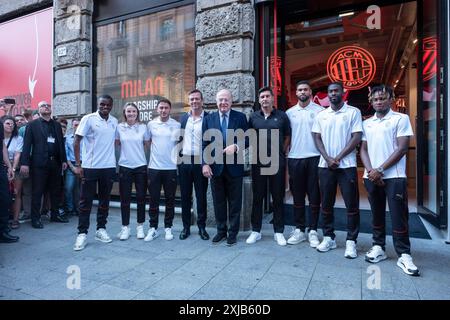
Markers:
(231, 241)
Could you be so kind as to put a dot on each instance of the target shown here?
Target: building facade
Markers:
(139, 51)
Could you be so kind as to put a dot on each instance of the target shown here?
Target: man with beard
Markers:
(383, 152)
(272, 129)
(337, 131)
(303, 161)
(98, 131)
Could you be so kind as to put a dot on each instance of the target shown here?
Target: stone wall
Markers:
(225, 39)
(12, 9)
(72, 57)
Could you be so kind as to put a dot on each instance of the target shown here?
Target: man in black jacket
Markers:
(5, 197)
(43, 151)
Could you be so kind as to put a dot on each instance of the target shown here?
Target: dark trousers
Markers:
(191, 175)
(276, 185)
(304, 180)
(91, 177)
(126, 178)
(45, 179)
(395, 190)
(227, 198)
(347, 179)
(5, 199)
(168, 180)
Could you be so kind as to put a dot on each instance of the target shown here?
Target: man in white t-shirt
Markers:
(97, 130)
(164, 133)
(383, 152)
(303, 161)
(337, 131)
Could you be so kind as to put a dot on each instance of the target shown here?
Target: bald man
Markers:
(224, 166)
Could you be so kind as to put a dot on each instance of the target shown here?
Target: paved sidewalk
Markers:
(36, 268)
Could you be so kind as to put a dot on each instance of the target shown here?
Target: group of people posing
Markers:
(316, 146)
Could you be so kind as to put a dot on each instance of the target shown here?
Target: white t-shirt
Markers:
(336, 128)
(16, 145)
(98, 134)
(164, 137)
(381, 136)
(302, 142)
(132, 138)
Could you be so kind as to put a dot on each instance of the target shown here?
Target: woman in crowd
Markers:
(132, 137)
(14, 144)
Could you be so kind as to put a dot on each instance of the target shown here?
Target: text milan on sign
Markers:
(353, 66)
(429, 58)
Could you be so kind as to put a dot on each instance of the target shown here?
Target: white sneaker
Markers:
(405, 262)
(81, 242)
(313, 239)
(151, 234)
(102, 235)
(140, 231)
(326, 245)
(279, 238)
(124, 233)
(375, 254)
(169, 235)
(253, 237)
(296, 237)
(350, 249)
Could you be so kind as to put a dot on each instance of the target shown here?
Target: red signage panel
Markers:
(26, 60)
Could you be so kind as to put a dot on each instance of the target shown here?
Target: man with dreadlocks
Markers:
(385, 142)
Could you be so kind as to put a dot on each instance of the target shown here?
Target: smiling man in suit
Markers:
(226, 170)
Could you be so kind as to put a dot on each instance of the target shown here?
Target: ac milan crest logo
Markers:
(355, 67)
(429, 58)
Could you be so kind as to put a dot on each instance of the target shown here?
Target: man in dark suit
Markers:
(225, 165)
(44, 152)
(6, 173)
(190, 168)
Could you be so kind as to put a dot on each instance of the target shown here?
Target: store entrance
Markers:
(360, 44)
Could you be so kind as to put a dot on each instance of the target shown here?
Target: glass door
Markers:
(430, 115)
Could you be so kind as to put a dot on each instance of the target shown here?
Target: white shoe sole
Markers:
(253, 242)
(102, 240)
(349, 256)
(377, 259)
(169, 238)
(405, 270)
(123, 239)
(314, 245)
(79, 248)
(151, 239)
(327, 249)
(295, 241)
(140, 237)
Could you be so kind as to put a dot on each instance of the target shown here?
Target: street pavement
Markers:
(43, 265)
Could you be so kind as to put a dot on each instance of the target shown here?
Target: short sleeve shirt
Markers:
(302, 141)
(163, 148)
(132, 138)
(381, 136)
(16, 145)
(336, 128)
(98, 134)
(277, 120)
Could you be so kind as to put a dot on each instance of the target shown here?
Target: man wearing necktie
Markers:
(226, 176)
